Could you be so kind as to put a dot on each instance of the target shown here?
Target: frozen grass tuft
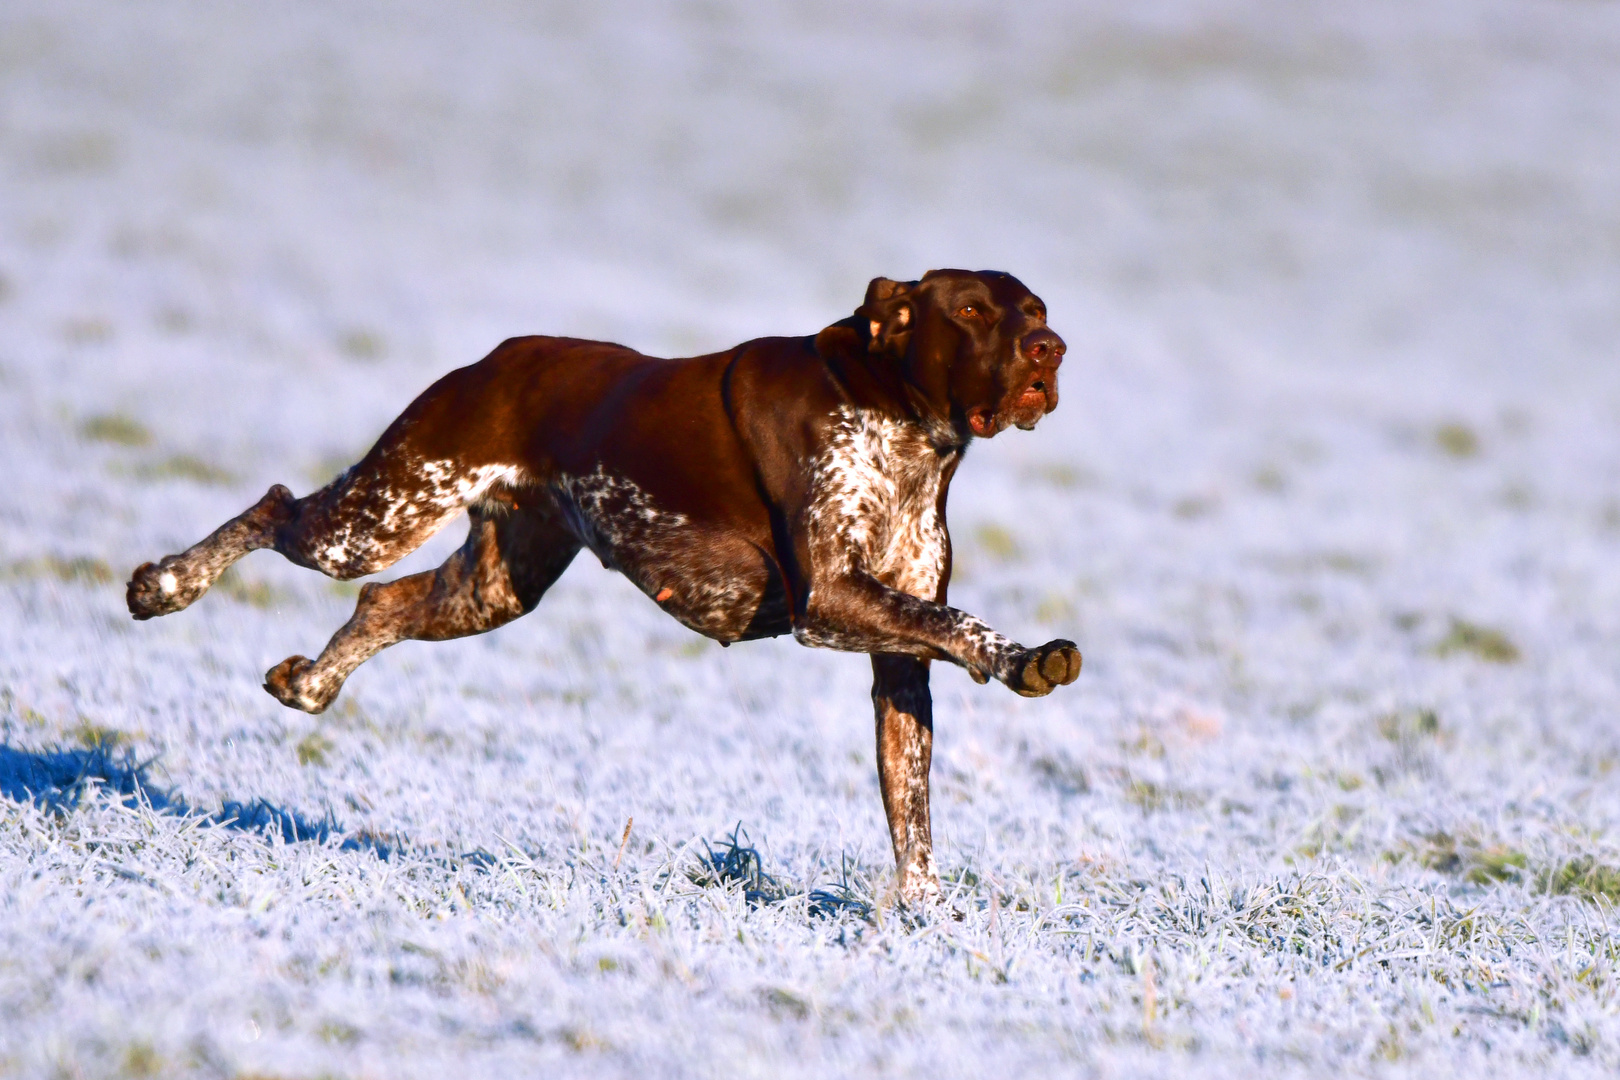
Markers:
(737, 863)
(1584, 877)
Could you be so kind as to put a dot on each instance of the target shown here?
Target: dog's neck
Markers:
(879, 383)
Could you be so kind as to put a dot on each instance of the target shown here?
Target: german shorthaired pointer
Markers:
(788, 485)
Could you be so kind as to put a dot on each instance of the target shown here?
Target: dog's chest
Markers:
(876, 501)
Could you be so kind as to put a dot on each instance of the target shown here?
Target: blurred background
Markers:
(1331, 504)
(1387, 191)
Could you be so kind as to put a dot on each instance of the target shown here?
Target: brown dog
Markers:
(786, 485)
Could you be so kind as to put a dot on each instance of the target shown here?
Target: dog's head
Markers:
(974, 345)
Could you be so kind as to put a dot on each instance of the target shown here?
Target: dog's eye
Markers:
(967, 311)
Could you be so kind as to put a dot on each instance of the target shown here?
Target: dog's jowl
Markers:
(788, 485)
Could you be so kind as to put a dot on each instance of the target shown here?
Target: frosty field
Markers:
(1331, 506)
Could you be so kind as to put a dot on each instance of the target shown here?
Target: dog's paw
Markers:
(288, 681)
(1046, 667)
(160, 588)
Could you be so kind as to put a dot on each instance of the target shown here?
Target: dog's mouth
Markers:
(1021, 409)
(1034, 398)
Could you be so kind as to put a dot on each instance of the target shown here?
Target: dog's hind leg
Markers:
(366, 520)
(176, 581)
(506, 565)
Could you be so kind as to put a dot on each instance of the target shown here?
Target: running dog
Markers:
(788, 485)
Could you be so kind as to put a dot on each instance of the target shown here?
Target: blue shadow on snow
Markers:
(58, 779)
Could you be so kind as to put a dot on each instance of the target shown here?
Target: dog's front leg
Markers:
(856, 612)
(905, 747)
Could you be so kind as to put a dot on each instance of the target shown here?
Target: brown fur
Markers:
(788, 485)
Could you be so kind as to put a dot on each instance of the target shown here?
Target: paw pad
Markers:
(1046, 667)
(283, 682)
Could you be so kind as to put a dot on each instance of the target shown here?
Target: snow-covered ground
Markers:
(1332, 505)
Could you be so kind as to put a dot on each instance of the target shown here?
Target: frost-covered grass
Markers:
(1332, 505)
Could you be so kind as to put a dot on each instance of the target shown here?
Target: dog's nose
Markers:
(1043, 347)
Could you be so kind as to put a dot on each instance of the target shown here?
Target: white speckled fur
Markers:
(660, 549)
(378, 524)
(877, 485)
(876, 511)
(610, 511)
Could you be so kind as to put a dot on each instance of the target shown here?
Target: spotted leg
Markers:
(366, 520)
(905, 747)
(176, 581)
(508, 562)
(856, 612)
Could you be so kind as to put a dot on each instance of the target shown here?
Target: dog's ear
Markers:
(887, 313)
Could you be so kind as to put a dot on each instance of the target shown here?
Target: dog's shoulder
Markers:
(779, 385)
